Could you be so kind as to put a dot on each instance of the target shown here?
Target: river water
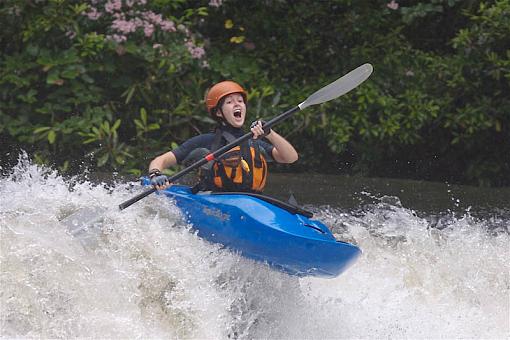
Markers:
(435, 264)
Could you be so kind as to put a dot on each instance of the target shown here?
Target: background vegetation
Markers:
(111, 84)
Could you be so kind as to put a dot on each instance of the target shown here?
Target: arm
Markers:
(283, 151)
(172, 158)
(163, 161)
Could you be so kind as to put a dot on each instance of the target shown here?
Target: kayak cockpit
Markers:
(293, 209)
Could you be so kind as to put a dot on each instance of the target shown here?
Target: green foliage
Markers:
(71, 72)
(438, 90)
(76, 82)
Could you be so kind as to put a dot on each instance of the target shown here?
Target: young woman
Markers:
(244, 168)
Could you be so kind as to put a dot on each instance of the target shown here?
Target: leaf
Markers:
(32, 50)
(498, 126)
(139, 124)
(143, 115)
(70, 72)
(136, 172)
(52, 136)
(87, 78)
(53, 77)
(103, 159)
(229, 24)
(202, 11)
(120, 160)
(90, 140)
(127, 154)
(237, 40)
(65, 166)
(42, 129)
(130, 93)
(153, 126)
(116, 125)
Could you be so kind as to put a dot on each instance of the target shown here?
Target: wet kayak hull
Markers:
(260, 230)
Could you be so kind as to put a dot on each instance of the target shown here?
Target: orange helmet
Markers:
(221, 90)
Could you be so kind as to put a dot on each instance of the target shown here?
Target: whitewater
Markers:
(144, 273)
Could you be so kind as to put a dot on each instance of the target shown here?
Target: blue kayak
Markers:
(265, 229)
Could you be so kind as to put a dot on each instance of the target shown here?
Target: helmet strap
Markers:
(219, 109)
(223, 121)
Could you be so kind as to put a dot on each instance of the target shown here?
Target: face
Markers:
(234, 110)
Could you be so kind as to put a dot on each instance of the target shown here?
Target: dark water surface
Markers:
(351, 192)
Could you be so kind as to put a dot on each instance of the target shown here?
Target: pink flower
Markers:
(195, 51)
(71, 34)
(198, 53)
(117, 38)
(138, 22)
(115, 5)
(108, 7)
(392, 5)
(151, 16)
(124, 26)
(148, 30)
(93, 14)
(167, 26)
(120, 16)
(215, 3)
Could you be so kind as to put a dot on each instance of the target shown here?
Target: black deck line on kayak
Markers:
(284, 205)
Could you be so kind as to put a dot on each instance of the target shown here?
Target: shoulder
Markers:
(201, 139)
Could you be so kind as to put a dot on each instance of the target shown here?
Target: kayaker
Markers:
(243, 168)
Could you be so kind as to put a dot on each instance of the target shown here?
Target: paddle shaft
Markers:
(211, 156)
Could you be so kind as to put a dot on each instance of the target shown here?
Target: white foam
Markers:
(148, 275)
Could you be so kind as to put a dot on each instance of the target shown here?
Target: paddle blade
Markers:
(339, 87)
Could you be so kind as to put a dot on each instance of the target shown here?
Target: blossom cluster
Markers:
(215, 3)
(128, 16)
(195, 51)
(392, 5)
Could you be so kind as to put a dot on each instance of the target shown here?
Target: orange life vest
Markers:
(243, 168)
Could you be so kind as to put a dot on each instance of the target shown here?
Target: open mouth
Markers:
(237, 113)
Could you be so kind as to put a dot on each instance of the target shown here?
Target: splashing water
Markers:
(146, 273)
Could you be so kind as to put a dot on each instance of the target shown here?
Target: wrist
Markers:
(269, 134)
(154, 172)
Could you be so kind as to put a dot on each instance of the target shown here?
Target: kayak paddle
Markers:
(334, 90)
